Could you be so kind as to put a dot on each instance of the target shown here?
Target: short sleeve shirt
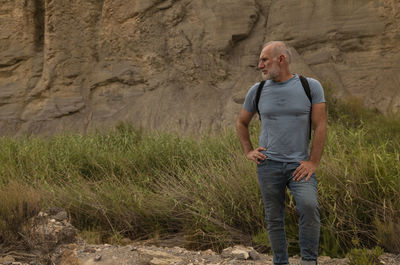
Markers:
(285, 117)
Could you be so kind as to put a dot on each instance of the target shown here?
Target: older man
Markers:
(283, 158)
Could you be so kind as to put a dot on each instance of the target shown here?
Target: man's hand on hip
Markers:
(306, 169)
(256, 155)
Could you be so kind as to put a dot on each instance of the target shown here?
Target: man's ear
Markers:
(282, 58)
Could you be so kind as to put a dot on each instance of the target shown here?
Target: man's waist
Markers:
(289, 158)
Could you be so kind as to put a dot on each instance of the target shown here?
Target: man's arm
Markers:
(242, 129)
(319, 122)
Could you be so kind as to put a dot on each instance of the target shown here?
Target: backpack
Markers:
(306, 88)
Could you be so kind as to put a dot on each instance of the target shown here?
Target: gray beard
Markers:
(272, 73)
(269, 76)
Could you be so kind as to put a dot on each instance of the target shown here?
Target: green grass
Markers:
(365, 256)
(128, 182)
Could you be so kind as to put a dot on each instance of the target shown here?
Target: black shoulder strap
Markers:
(259, 89)
(306, 88)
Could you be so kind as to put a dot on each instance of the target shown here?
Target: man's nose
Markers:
(260, 65)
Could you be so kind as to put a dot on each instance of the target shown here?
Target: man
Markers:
(283, 158)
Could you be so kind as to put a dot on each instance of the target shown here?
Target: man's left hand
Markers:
(306, 169)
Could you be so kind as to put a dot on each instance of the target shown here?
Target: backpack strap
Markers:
(306, 88)
(259, 89)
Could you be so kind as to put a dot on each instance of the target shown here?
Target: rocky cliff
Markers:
(181, 64)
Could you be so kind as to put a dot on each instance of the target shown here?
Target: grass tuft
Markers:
(19, 202)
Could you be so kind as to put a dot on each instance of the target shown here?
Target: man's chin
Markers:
(265, 77)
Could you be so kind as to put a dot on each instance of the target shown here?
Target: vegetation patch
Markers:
(129, 182)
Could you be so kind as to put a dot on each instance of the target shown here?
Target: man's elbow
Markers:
(240, 124)
(320, 124)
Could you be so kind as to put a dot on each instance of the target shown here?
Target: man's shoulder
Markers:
(316, 90)
(312, 81)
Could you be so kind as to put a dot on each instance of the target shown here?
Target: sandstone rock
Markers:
(181, 65)
(44, 234)
(254, 255)
(240, 253)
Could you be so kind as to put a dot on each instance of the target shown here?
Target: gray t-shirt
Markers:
(285, 117)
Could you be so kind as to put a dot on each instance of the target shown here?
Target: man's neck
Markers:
(284, 77)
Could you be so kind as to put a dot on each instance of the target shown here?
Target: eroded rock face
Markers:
(182, 65)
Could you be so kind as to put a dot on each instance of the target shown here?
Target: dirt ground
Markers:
(52, 240)
(81, 253)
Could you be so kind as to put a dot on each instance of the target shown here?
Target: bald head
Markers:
(274, 61)
(279, 47)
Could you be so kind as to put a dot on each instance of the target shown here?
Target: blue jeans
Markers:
(273, 179)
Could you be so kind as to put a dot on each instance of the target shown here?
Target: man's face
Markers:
(268, 65)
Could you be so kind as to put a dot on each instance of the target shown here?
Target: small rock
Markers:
(16, 263)
(97, 257)
(209, 252)
(254, 255)
(237, 252)
(226, 252)
(240, 254)
(60, 216)
(54, 210)
(32, 263)
(42, 214)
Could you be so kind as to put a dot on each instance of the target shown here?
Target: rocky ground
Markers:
(52, 240)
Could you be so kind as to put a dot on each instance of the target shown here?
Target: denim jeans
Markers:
(273, 179)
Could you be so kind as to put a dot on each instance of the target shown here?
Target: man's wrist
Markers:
(248, 149)
(248, 152)
(314, 161)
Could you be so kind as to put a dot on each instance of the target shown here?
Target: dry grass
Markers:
(19, 202)
(131, 183)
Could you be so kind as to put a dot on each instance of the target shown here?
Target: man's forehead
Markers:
(265, 52)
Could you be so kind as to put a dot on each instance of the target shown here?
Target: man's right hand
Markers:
(256, 155)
